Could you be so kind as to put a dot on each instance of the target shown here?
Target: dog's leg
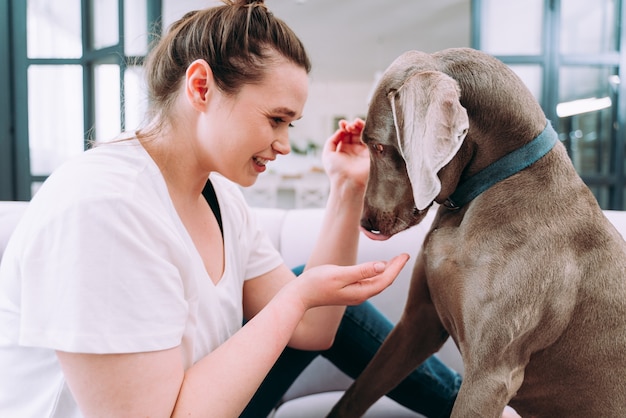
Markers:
(496, 339)
(496, 346)
(418, 334)
(486, 391)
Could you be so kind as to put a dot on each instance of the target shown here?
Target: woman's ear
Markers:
(198, 83)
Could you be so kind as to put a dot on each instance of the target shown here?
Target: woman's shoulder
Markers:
(112, 174)
(118, 168)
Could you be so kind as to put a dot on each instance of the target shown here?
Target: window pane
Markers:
(531, 75)
(34, 187)
(585, 81)
(511, 27)
(602, 195)
(585, 112)
(104, 23)
(55, 115)
(135, 28)
(107, 101)
(589, 27)
(54, 29)
(135, 98)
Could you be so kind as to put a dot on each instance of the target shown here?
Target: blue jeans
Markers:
(430, 389)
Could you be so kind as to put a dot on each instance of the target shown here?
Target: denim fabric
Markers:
(430, 390)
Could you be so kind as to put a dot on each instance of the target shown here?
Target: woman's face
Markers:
(250, 129)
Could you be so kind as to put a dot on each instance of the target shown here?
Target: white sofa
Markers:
(294, 232)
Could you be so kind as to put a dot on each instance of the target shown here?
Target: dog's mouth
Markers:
(380, 226)
(375, 234)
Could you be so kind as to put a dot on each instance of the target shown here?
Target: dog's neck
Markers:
(506, 166)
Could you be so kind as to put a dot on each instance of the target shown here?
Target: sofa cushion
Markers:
(319, 404)
(271, 220)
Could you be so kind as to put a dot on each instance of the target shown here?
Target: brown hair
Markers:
(238, 40)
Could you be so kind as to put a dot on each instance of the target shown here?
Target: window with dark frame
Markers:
(74, 74)
(571, 57)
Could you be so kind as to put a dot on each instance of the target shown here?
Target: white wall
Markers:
(328, 100)
(394, 26)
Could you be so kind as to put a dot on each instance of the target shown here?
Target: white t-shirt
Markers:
(101, 263)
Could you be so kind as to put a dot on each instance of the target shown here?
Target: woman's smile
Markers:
(260, 163)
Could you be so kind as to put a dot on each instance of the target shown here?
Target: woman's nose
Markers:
(282, 145)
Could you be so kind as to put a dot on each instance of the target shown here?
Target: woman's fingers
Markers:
(391, 268)
(376, 277)
(350, 285)
(354, 127)
(347, 133)
(352, 130)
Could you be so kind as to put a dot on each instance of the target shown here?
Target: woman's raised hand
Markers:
(345, 156)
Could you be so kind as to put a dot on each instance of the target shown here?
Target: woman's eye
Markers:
(279, 121)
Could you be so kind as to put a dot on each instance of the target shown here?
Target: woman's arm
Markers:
(221, 384)
(346, 160)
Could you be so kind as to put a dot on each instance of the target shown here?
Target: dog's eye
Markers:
(378, 148)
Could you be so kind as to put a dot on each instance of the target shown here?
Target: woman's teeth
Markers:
(260, 161)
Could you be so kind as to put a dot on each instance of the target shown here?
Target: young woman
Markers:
(123, 290)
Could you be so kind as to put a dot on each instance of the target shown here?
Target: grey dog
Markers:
(520, 267)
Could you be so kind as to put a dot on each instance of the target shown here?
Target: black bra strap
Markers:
(209, 194)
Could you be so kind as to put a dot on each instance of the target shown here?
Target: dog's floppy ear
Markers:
(430, 125)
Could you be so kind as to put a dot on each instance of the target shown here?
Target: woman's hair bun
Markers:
(244, 3)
